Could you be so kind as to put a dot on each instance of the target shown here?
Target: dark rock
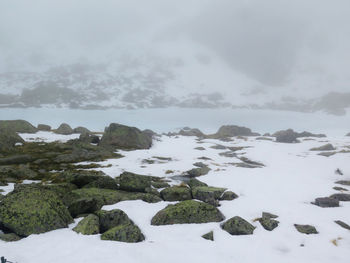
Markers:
(8, 139)
(342, 224)
(200, 148)
(83, 206)
(306, 229)
(33, 210)
(18, 126)
(64, 129)
(268, 215)
(191, 132)
(113, 218)
(208, 194)
(287, 136)
(268, 222)
(90, 225)
(209, 236)
(231, 131)
(343, 182)
(17, 172)
(238, 226)
(124, 137)
(44, 127)
(326, 154)
(160, 184)
(176, 193)
(228, 196)
(340, 188)
(339, 172)
(129, 233)
(83, 177)
(228, 154)
(326, 147)
(195, 172)
(341, 197)
(10, 237)
(187, 212)
(250, 162)
(104, 182)
(193, 182)
(81, 130)
(89, 138)
(326, 202)
(134, 182)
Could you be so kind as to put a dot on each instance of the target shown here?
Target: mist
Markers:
(273, 54)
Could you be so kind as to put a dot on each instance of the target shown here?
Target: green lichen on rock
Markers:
(104, 182)
(268, 223)
(33, 210)
(111, 219)
(134, 182)
(10, 237)
(195, 172)
(187, 212)
(209, 236)
(21, 126)
(129, 233)
(228, 196)
(125, 137)
(306, 229)
(83, 206)
(176, 193)
(201, 192)
(90, 225)
(160, 184)
(238, 226)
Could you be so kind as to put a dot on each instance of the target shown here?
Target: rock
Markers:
(89, 138)
(287, 136)
(209, 236)
(111, 219)
(16, 159)
(343, 182)
(231, 131)
(176, 193)
(193, 182)
(228, 196)
(263, 139)
(218, 147)
(17, 172)
(195, 172)
(81, 130)
(306, 229)
(200, 148)
(129, 233)
(160, 184)
(83, 177)
(9, 139)
(326, 202)
(64, 129)
(340, 188)
(44, 127)
(228, 154)
(268, 222)
(268, 215)
(326, 147)
(124, 137)
(208, 194)
(342, 224)
(11, 237)
(104, 182)
(134, 182)
(83, 206)
(33, 210)
(191, 132)
(326, 154)
(238, 226)
(187, 212)
(250, 162)
(338, 172)
(90, 225)
(18, 126)
(309, 134)
(341, 197)
(150, 133)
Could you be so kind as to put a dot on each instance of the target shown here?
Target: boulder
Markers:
(64, 129)
(238, 226)
(306, 229)
(195, 172)
(90, 225)
(18, 126)
(125, 137)
(309, 134)
(287, 136)
(187, 212)
(326, 147)
(113, 218)
(341, 197)
(191, 132)
(129, 233)
(209, 236)
(10, 237)
(326, 202)
(228, 196)
(83, 206)
(232, 130)
(176, 193)
(44, 127)
(267, 221)
(81, 130)
(33, 210)
(9, 139)
(208, 194)
(134, 182)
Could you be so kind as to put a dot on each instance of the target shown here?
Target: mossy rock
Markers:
(195, 172)
(8, 139)
(129, 233)
(61, 189)
(82, 177)
(83, 206)
(44, 127)
(268, 223)
(228, 196)
(81, 130)
(113, 218)
(104, 182)
(64, 129)
(18, 172)
(21, 126)
(306, 229)
(326, 147)
(187, 212)
(160, 184)
(134, 182)
(33, 210)
(201, 192)
(193, 182)
(209, 236)
(10, 237)
(125, 137)
(176, 193)
(90, 225)
(238, 226)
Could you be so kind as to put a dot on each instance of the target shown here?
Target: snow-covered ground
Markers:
(292, 177)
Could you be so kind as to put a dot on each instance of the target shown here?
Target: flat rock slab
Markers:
(326, 202)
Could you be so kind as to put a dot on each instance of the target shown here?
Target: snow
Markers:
(292, 177)
(45, 136)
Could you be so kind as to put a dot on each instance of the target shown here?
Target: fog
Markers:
(289, 55)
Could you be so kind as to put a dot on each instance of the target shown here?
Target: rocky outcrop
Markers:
(187, 212)
(191, 132)
(125, 137)
(18, 126)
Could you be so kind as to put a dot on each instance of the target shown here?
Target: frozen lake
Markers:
(170, 119)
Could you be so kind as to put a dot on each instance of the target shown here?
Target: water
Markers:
(171, 119)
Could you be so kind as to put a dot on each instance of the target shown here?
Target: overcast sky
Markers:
(269, 41)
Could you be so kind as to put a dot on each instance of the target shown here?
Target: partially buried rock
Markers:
(232, 130)
(343, 182)
(342, 224)
(187, 212)
(306, 229)
(90, 225)
(113, 218)
(44, 127)
(228, 196)
(81, 130)
(326, 147)
(125, 137)
(33, 210)
(341, 197)
(176, 193)
(287, 136)
(238, 226)
(268, 222)
(10, 237)
(209, 236)
(193, 182)
(129, 233)
(64, 129)
(134, 182)
(18, 126)
(326, 202)
(195, 172)
(191, 132)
